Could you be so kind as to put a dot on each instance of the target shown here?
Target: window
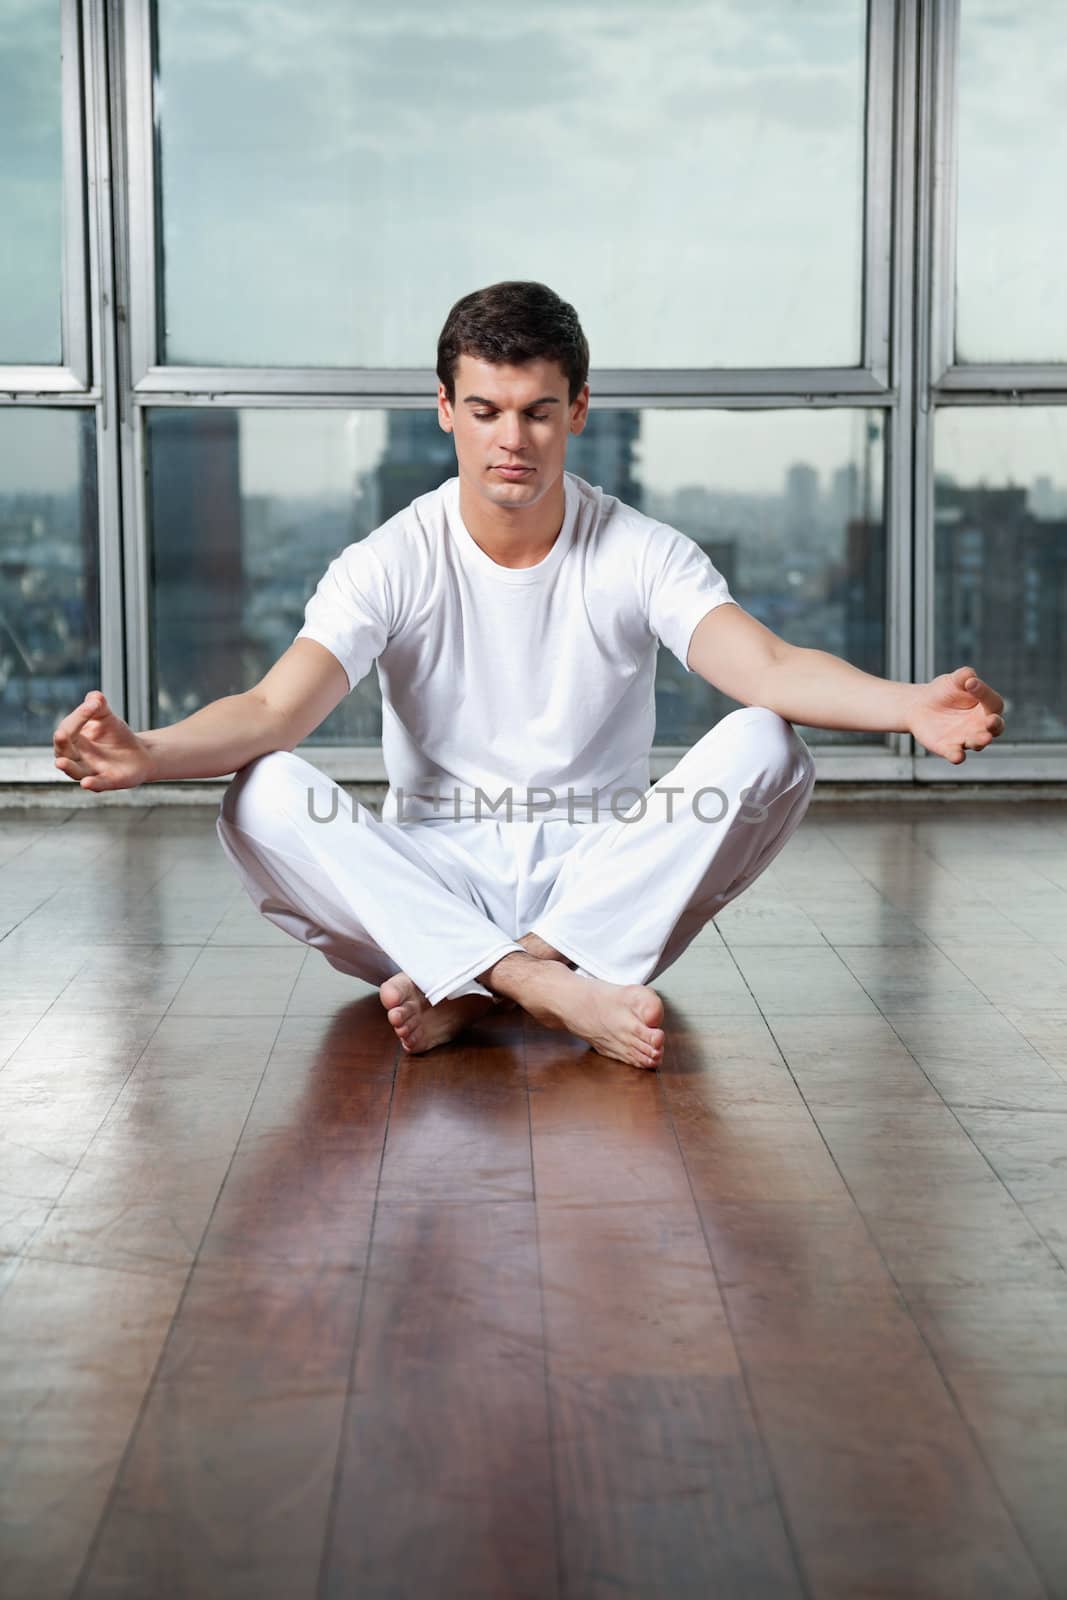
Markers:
(249, 507)
(332, 178)
(49, 569)
(1001, 557)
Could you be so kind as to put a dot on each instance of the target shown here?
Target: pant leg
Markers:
(629, 900)
(375, 898)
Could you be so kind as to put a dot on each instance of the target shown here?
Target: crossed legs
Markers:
(629, 897)
(420, 1026)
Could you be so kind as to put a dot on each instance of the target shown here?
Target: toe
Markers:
(395, 990)
(644, 1004)
(649, 1008)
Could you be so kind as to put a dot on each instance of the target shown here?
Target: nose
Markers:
(513, 434)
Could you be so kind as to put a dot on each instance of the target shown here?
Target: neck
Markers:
(513, 536)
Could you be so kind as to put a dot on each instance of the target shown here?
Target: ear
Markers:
(444, 408)
(580, 411)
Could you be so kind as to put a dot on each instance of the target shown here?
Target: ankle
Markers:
(542, 951)
(513, 974)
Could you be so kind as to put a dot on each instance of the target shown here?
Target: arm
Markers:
(737, 654)
(97, 749)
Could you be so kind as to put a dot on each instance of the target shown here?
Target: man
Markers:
(514, 615)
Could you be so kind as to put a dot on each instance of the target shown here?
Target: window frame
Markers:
(908, 235)
(71, 374)
(942, 382)
(875, 382)
(88, 377)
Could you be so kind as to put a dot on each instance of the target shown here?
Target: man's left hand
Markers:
(955, 713)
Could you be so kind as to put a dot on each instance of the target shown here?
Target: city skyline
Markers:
(283, 450)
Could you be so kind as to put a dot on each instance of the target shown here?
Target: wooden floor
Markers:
(283, 1314)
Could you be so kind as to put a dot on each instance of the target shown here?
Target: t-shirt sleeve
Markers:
(350, 610)
(681, 587)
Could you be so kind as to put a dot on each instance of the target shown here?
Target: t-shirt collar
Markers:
(473, 554)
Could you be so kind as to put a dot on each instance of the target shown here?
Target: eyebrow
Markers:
(477, 400)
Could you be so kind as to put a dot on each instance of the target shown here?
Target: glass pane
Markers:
(1011, 291)
(335, 177)
(31, 184)
(1001, 558)
(788, 505)
(49, 569)
(249, 507)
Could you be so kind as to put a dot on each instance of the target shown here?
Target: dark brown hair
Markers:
(509, 324)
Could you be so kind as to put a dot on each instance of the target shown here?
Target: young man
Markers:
(514, 615)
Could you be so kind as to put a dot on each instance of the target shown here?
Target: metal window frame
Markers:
(385, 385)
(71, 375)
(89, 379)
(868, 383)
(909, 73)
(942, 382)
(977, 382)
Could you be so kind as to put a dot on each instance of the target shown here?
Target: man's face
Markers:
(515, 417)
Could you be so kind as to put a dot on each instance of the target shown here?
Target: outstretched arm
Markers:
(98, 750)
(950, 715)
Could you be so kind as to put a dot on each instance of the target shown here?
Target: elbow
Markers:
(274, 726)
(771, 688)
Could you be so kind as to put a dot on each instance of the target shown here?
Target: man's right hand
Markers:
(98, 750)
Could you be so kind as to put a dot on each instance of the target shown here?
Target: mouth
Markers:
(513, 472)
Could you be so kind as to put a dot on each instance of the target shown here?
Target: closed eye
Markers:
(487, 416)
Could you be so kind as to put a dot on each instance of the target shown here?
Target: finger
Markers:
(94, 705)
(973, 684)
(987, 695)
(72, 769)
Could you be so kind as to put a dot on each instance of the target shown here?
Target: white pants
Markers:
(442, 900)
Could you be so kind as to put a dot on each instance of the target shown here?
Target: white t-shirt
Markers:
(528, 688)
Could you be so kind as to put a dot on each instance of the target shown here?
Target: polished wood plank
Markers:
(881, 1479)
(1020, 1422)
(140, 1193)
(665, 1485)
(226, 1486)
(600, 1130)
(445, 1484)
(812, 979)
(77, 1349)
(303, 1180)
(459, 1126)
(787, 1317)
(666, 1491)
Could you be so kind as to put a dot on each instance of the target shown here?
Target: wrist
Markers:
(150, 758)
(909, 704)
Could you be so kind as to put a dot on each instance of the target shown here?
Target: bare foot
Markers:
(621, 1021)
(420, 1026)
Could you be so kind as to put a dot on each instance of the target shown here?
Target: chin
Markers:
(499, 489)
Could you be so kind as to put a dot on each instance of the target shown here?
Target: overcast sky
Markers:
(1012, 163)
(687, 175)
